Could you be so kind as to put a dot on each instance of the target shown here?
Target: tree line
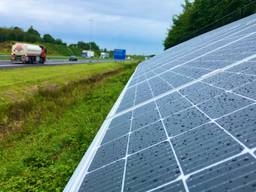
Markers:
(200, 16)
(33, 36)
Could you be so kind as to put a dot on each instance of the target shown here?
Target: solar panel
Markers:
(186, 121)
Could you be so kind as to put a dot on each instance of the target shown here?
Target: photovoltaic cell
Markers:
(185, 122)
(173, 187)
(169, 104)
(248, 90)
(201, 95)
(204, 146)
(159, 86)
(242, 125)
(118, 131)
(146, 137)
(151, 168)
(105, 179)
(237, 174)
(223, 104)
(235, 80)
(145, 119)
(109, 152)
(120, 119)
(144, 109)
(174, 79)
(143, 93)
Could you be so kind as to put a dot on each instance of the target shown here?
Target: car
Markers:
(73, 58)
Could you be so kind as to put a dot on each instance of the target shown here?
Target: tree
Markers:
(58, 41)
(48, 38)
(32, 35)
(32, 31)
(201, 16)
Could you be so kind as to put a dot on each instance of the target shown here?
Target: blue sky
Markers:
(139, 26)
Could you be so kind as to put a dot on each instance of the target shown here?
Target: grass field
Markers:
(17, 84)
(54, 126)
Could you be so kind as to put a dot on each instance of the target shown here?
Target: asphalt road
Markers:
(8, 64)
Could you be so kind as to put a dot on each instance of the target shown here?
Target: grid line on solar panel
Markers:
(212, 51)
(215, 41)
(166, 117)
(228, 82)
(127, 147)
(104, 179)
(236, 174)
(108, 153)
(237, 93)
(226, 115)
(240, 81)
(252, 73)
(184, 121)
(176, 186)
(172, 148)
(240, 84)
(247, 90)
(216, 72)
(146, 137)
(223, 104)
(203, 146)
(117, 132)
(151, 168)
(242, 125)
(227, 132)
(150, 124)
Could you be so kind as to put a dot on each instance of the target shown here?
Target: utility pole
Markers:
(90, 31)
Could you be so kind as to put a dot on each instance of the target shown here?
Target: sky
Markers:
(139, 26)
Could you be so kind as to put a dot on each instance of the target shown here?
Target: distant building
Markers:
(104, 55)
(87, 54)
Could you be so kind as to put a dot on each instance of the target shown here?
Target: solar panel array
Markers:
(186, 120)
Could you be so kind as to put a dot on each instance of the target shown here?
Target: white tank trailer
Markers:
(28, 53)
(87, 54)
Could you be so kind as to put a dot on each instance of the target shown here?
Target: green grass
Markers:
(57, 129)
(17, 84)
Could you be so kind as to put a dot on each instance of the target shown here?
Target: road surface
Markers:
(8, 64)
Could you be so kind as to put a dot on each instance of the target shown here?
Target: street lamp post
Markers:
(90, 31)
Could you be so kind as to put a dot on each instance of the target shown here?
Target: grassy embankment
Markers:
(49, 117)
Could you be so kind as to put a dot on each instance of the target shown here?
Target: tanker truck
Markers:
(28, 53)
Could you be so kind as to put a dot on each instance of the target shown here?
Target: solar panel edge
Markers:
(79, 174)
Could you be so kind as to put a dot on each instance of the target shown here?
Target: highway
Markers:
(8, 64)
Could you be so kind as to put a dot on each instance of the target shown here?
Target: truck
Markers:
(28, 53)
(87, 54)
(104, 55)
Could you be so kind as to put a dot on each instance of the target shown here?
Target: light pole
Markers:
(90, 31)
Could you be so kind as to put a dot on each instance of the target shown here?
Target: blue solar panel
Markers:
(237, 174)
(175, 187)
(150, 168)
(186, 121)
